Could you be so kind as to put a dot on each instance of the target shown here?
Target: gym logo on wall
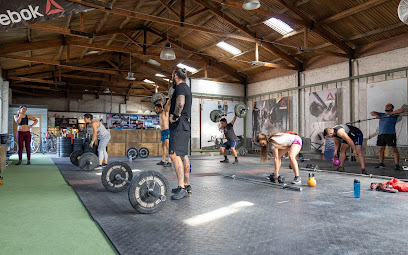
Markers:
(283, 105)
(20, 13)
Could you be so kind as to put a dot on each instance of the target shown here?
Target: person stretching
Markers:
(280, 144)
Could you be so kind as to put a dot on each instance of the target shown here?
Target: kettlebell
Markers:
(336, 162)
(311, 181)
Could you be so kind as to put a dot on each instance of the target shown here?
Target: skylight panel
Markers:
(148, 81)
(160, 75)
(228, 47)
(188, 68)
(279, 26)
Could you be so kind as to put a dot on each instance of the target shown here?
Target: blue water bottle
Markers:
(190, 167)
(356, 188)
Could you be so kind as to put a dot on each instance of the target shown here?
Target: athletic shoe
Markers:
(179, 194)
(374, 186)
(18, 163)
(297, 180)
(161, 163)
(99, 167)
(397, 168)
(168, 164)
(381, 165)
(225, 161)
(340, 169)
(280, 179)
(28, 163)
(235, 162)
(104, 164)
(188, 189)
(363, 171)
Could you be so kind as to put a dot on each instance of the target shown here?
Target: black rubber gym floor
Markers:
(226, 216)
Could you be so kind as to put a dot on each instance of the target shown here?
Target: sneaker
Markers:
(225, 161)
(374, 186)
(168, 164)
(161, 163)
(99, 167)
(235, 162)
(381, 165)
(281, 179)
(297, 180)
(397, 168)
(188, 189)
(104, 164)
(28, 162)
(363, 171)
(179, 194)
(272, 178)
(18, 163)
(340, 169)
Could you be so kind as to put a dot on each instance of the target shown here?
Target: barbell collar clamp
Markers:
(159, 196)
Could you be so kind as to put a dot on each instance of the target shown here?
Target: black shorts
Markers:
(178, 143)
(387, 139)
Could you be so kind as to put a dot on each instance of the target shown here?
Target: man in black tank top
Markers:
(352, 137)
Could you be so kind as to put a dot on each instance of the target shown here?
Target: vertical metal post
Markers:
(299, 104)
(351, 89)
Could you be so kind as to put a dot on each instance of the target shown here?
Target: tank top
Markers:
(24, 121)
(101, 130)
(350, 130)
(285, 140)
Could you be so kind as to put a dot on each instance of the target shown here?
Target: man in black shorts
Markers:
(180, 130)
(387, 134)
(232, 139)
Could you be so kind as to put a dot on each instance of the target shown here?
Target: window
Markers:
(279, 26)
(160, 75)
(188, 68)
(228, 47)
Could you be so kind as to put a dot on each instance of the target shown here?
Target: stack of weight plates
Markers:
(86, 142)
(78, 144)
(64, 146)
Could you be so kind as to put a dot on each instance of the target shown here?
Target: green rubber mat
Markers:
(41, 214)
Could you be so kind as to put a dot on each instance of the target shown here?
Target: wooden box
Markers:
(118, 136)
(149, 136)
(117, 149)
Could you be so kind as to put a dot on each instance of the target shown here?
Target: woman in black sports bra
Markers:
(23, 132)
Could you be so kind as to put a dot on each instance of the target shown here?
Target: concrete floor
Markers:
(225, 216)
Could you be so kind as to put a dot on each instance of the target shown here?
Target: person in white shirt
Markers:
(280, 144)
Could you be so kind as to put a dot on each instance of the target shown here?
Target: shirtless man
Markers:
(165, 133)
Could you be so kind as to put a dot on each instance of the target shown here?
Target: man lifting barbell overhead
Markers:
(387, 134)
(163, 112)
(280, 144)
(180, 130)
(100, 131)
(232, 139)
(352, 137)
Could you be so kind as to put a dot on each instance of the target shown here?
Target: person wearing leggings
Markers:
(23, 132)
(100, 131)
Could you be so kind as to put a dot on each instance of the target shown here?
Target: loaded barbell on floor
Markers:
(86, 161)
(147, 191)
(240, 111)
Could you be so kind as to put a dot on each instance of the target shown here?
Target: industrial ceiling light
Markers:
(106, 90)
(153, 62)
(167, 53)
(130, 76)
(251, 4)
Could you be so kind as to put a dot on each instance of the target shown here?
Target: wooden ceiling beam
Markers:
(60, 30)
(36, 80)
(5, 49)
(240, 77)
(318, 29)
(156, 19)
(359, 8)
(268, 46)
(376, 31)
(192, 14)
(31, 86)
(168, 7)
(263, 12)
(59, 63)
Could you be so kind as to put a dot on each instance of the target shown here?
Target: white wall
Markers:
(361, 66)
(4, 105)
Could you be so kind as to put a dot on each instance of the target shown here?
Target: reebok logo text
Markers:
(23, 14)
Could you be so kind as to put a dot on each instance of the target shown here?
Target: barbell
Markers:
(147, 191)
(240, 111)
(86, 161)
(159, 97)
